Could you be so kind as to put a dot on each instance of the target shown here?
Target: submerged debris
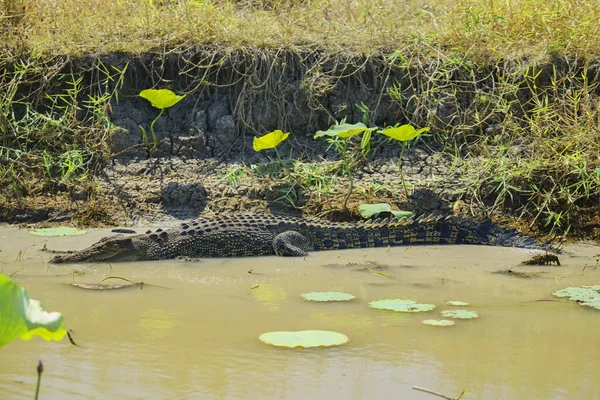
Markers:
(543, 259)
(519, 274)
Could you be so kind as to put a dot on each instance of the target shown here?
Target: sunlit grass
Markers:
(492, 28)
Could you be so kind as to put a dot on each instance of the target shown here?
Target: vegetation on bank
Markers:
(509, 87)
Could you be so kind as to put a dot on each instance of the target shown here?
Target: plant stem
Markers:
(154, 141)
(400, 169)
(40, 370)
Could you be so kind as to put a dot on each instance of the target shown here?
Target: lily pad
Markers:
(438, 322)
(161, 98)
(460, 314)
(23, 317)
(304, 339)
(270, 140)
(328, 296)
(586, 296)
(57, 231)
(400, 305)
(456, 303)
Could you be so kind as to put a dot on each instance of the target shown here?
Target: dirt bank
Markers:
(82, 149)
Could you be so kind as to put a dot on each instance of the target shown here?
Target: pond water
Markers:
(196, 336)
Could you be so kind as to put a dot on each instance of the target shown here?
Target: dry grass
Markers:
(491, 28)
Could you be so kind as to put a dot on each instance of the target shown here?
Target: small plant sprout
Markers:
(161, 99)
(404, 134)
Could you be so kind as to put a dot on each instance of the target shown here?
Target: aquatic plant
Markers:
(22, 317)
(401, 305)
(304, 339)
(328, 296)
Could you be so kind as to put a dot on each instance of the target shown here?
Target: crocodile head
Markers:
(115, 248)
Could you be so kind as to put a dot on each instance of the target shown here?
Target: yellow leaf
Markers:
(270, 140)
(403, 133)
(161, 98)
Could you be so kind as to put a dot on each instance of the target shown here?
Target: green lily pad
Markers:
(58, 231)
(344, 131)
(23, 317)
(586, 296)
(270, 140)
(403, 133)
(456, 303)
(328, 296)
(438, 322)
(373, 210)
(161, 98)
(400, 305)
(460, 314)
(303, 339)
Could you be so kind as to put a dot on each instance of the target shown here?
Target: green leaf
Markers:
(403, 133)
(270, 140)
(304, 339)
(58, 231)
(344, 131)
(438, 322)
(460, 314)
(456, 303)
(586, 296)
(23, 317)
(328, 296)
(373, 210)
(161, 98)
(400, 305)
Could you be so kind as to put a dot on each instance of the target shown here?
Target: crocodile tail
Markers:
(455, 230)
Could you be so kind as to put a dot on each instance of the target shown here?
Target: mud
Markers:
(230, 99)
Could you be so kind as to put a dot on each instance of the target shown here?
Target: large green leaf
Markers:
(23, 317)
(304, 339)
(57, 231)
(403, 133)
(344, 131)
(270, 140)
(161, 98)
(400, 305)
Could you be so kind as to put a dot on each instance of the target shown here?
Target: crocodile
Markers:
(243, 235)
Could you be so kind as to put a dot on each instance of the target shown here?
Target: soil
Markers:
(209, 134)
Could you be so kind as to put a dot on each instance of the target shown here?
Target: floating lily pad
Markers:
(328, 296)
(23, 317)
(438, 322)
(58, 231)
(303, 339)
(456, 303)
(400, 305)
(460, 314)
(586, 296)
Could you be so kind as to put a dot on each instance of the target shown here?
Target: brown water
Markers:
(198, 338)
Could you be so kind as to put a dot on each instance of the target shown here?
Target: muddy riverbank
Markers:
(80, 148)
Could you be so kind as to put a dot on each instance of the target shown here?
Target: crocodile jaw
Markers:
(116, 248)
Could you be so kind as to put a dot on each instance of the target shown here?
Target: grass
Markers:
(491, 28)
(509, 87)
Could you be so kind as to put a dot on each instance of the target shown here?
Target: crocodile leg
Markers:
(292, 243)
